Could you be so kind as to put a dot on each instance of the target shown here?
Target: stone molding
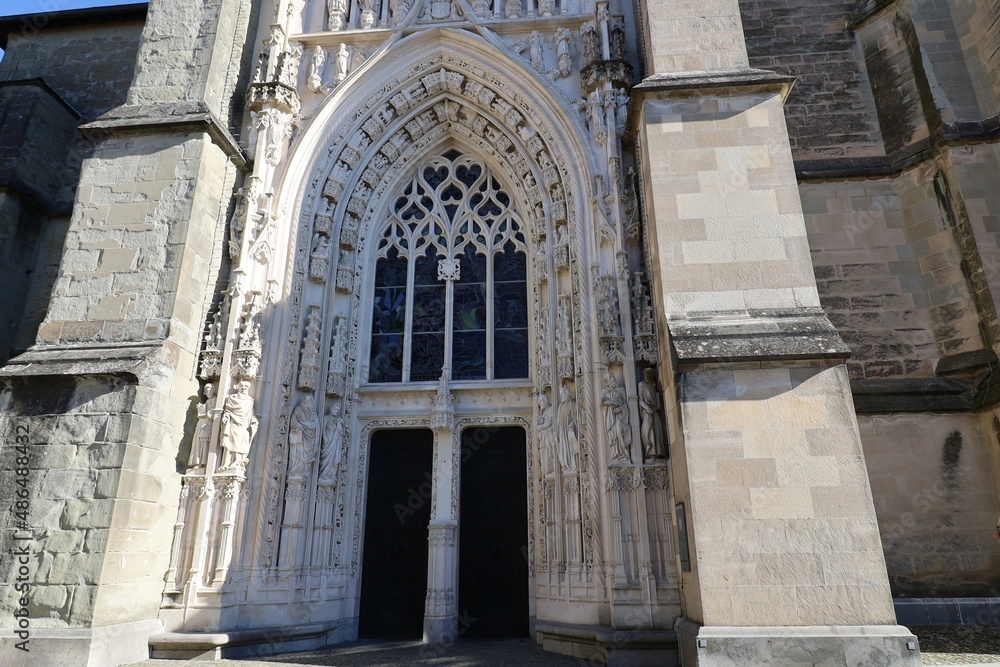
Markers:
(166, 118)
(116, 359)
(682, 84)
(793, 335)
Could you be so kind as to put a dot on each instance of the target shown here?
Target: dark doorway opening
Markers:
(493, 547)
(394, 565)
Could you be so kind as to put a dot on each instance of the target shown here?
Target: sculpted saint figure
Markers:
(316, 64)
(333, 440)
(537, 61)
(203, 432)
(342, 63)
(302, 441)
(616, 418)
(546, 441)
(650, 430)
(337, 12)
(566, 430)
(399, 9)
(368, 17)
(621, 110)
(564, 60)
(239, 425)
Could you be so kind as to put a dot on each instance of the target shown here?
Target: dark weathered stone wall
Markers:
(831, 111)
(90, 66)
(51, 80)
(978, 26)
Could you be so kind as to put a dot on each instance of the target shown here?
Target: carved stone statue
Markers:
(337, 14)
(537, 60)
(566, 430)
(333, 441)
(591, 43)
(319, 259)
(546, 440)
(317, 63)
(481, 8)
(399, 9)
(650, 428)
(239, 426)
(616, 419)
(302, 441)
(203, 431)
(621, 110)
(596, 102)
(617, 38)
(342, 63)
(564, 60)
(368, 17)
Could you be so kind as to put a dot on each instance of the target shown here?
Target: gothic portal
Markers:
(493, 318)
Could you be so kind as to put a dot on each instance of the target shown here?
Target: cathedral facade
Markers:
(660, 332)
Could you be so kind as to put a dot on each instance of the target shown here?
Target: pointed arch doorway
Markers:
(493, 534)
(449, 317)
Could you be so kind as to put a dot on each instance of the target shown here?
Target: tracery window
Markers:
(450, 279)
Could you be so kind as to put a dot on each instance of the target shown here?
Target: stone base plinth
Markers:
(616, 648)
(869, 645)
(440, 630)
(106, 646)
(251, 642)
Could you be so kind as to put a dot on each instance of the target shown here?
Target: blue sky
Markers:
(18, 7)
(15, 7)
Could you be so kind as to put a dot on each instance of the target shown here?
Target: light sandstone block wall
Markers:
(769, 461)
(726, 183)
(786, 532)
(99, 504)
(937, 502)
(693, 35)
(140, 244)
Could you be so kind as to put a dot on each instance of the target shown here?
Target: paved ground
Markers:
(505, 653)
(960, 645)
(940, 645)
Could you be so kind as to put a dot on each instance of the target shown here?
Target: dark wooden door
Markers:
(493, 547)
(394, 565)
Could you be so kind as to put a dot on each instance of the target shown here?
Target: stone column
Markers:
(114, 362)
(766, 459)
(441, 610)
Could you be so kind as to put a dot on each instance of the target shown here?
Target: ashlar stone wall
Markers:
(936, 497)
(831, 110)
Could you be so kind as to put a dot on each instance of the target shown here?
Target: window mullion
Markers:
(408, 327)
(449, 322)
(490, 290)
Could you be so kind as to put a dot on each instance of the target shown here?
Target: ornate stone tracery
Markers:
(337, 178)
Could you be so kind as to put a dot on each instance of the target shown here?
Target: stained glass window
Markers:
(451, 279)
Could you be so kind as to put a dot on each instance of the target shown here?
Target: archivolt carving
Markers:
(398, 125)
